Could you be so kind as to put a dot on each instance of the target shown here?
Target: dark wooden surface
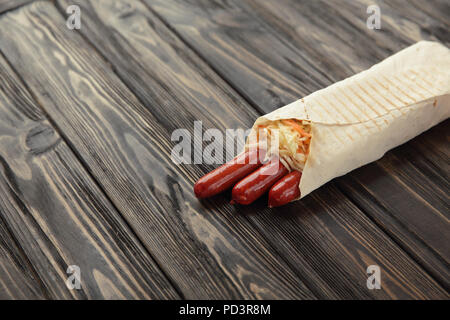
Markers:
(57, 213)
(85, 143)
(6, 5)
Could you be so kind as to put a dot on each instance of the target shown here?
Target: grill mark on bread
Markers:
(383, 96)
(329, 102)
(344, 106)
(373, 98)
(422, 78)
(364, 121)
(355, 92)
(415, 88)
(400, 89)
(411, 82)
(368, 117)
(421, 87)
(390, 91)
(356, 106)
(324, 108)
(320, 104)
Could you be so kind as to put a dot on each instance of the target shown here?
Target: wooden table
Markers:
(86, 179)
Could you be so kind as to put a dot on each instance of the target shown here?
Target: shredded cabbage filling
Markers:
(294, 139)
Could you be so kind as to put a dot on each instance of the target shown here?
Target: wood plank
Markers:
(321, 31)
(17, 280)
(208, 254)
(346, 11)
(58, 214)
(337, 269)
(417, 195)
(437, 9)
(233, 43)
(6, 5)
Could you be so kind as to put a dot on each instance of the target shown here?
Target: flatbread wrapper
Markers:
(357, 120)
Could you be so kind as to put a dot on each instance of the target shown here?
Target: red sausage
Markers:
(285, 190)
(228, 174)
(257, 183)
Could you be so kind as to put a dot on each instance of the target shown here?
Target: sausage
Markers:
(285, 190)
(257, 183)
(228, 174)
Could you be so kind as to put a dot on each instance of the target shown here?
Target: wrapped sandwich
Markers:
(339, 128)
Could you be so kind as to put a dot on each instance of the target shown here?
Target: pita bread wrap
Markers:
(355, 121)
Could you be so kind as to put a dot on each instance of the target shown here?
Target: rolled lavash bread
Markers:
(357, 120)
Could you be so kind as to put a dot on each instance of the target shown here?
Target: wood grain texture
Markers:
(6, 5)
(17, 277)
(338, 266)
(207, 253)
(437, 10)
(58, 214)
(322, 31)
(411, 186)
(237, 46)
(334, 32)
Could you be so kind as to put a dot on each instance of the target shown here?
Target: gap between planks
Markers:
(255, 107)
(9, 5)
(109, 64)
(260, 111)
(82, 163)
